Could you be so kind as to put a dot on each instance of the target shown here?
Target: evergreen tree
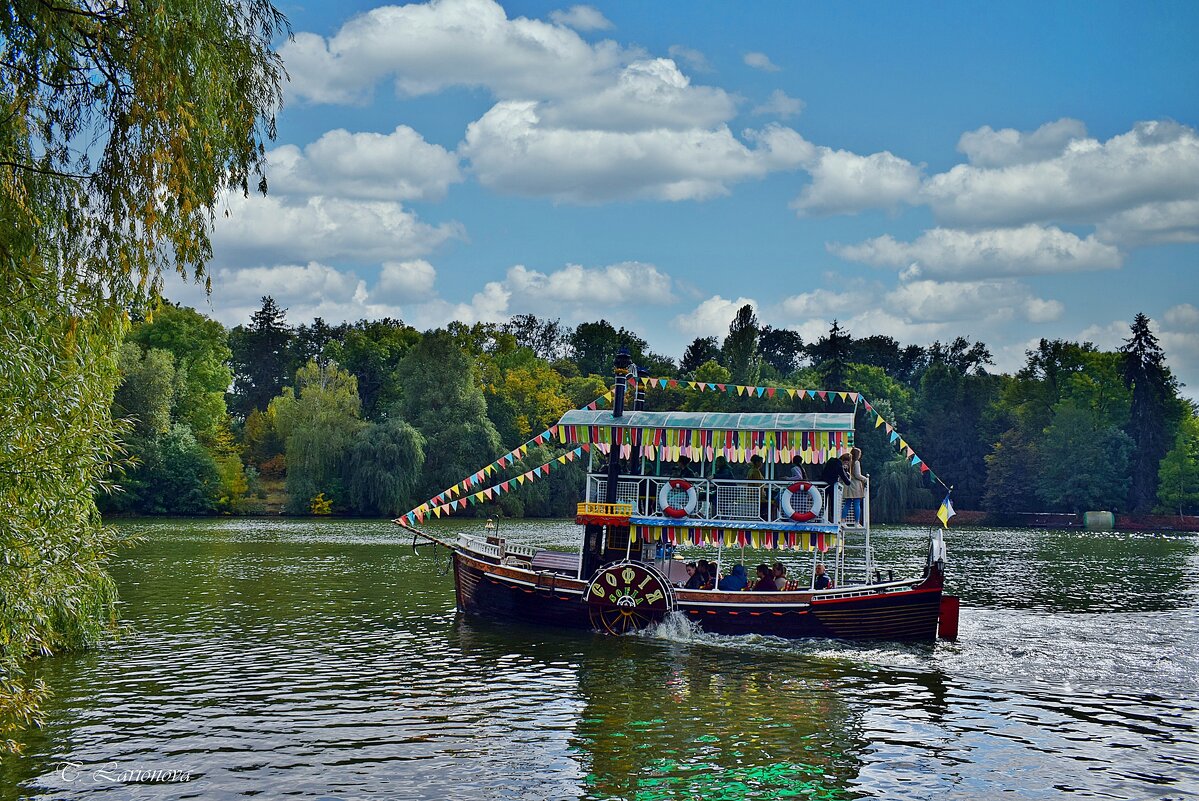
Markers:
(1150, 422)
(740, 348)
(261, 358)
(701, 350)
(830, 355)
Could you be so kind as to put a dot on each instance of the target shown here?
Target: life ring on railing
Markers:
(678, 485)
(789, 511)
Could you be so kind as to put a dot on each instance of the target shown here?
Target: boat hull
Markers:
(896, 611)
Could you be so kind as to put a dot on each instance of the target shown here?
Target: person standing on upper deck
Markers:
(856, 490)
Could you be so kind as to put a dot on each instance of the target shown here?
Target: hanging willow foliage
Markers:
(124, 126)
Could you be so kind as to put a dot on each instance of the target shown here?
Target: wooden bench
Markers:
(556, 561)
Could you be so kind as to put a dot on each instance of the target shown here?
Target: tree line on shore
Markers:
(372, 417)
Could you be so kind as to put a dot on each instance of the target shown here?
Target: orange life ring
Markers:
(813, 494)
(678, 484)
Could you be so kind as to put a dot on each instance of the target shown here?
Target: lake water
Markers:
(293, 658)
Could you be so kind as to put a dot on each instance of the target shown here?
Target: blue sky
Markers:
(1000, 171)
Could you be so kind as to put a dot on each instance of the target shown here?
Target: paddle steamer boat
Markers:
(625, 575)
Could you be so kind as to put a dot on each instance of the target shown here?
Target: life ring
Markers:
(785, 502)
(678, 485)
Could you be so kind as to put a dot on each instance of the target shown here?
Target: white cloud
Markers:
(1174, 221)
(846, 183)
(1040, 310)
(780, 105)
(760, 61)
(307, 291)
(1184, 315)
(581, 18)
(948, 253)
(629, 283)
(917, 303)
(711, 317)
(827, 303)
(972, 301)
(694, 59)
(512, 151)
(400, 165)
(405, 280)
(1155, 162)
(646, 96)
(261, 230)
(431, 46)
(986, 147)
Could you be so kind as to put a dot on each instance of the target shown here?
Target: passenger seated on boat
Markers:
(707, 573)
(796, 473)
(765, 581)
(780, 575)
(721, 469)
(735, 581)
(695, 579)
(822, 582)
(683, 468)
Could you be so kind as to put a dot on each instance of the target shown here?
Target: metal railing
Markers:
(730, 500)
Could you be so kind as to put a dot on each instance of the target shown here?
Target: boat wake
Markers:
(676, 627)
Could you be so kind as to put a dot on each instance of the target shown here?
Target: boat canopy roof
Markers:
(713, 421)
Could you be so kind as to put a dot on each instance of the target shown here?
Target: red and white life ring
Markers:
(789, 511)
(678, 485)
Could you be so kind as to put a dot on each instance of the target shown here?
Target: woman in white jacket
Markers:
(856, 491)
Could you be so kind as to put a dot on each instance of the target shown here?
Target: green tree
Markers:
(595, 346)
(1178, 476)
(892, 400)
(145, 394)
(700, 351)
(201, 355)
(897, 490)
(830, 355)
(261, 358)
(1153, 413)
(124, 126)
(529, 392)
(710, 372)
(384, 467)
(546, 338)
(1083, 464)
(313, 342)
(1012, 470)
(951, 428)
(372, 351)
(173, 474)
(318, 426)
(740, 347)
(443, 401)
(781, 348)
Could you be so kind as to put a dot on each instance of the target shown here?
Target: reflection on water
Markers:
(325, 659)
